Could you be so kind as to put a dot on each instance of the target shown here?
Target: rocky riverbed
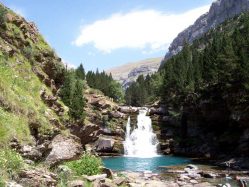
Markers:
(177, 176)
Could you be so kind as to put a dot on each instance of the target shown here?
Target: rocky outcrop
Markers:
(37, 177)
(87, 133)
(64, 148)
(220, 11)
(106, 145)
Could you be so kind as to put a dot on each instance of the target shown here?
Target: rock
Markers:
(158, 111)
(193, 181)
(12, 184)
(96, 183)
(104, 145)
(37, 177)
(31, 152)
(87, 133)
(192, 167)
(220, 11)
(108, 184)
(116, 114)
(95, 177)
(155, 183)
(108, 172)
(128, 109)
(119, 181)
(76, 183)
(208, 175)
(64, 148)
(203, 184)
(118, 147)
(171, 184)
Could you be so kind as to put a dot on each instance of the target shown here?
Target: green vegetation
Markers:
(72, 95)
(3, 13)
(106, 84)
(219, 60)
(10, 163)
(140, 92)
(86, 165)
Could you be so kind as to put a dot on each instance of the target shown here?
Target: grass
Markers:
(20, 102)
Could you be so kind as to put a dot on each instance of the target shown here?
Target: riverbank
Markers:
(178, 176)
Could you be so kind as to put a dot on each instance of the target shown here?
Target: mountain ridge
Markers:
(220, 11)
(127, 73)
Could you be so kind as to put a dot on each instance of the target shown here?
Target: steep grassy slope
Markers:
(27, 66)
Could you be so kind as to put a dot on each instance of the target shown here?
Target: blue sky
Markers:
(107, 33)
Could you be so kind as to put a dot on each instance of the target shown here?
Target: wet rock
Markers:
(64, 148)
(192, 167)
(128, 109)
(108, 172)
(208, 175)
(37, 177)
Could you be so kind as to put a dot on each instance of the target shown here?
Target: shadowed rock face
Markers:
(220, 11)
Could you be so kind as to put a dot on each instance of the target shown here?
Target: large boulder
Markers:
(88, 133)
(64, 148)
(109, 145)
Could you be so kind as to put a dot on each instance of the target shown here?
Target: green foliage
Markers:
(86, 165)
(140, 92)
(10, 162)
(72, 95)
(106, 84)
(77, 102)
(3, 13)
(80, 72)
(220, 58)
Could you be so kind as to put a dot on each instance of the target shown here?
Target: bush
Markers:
(86, 165)
(10, 162)
(3, 13)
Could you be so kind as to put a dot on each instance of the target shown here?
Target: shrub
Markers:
(3, 13)
(86, 165)
(10, 162)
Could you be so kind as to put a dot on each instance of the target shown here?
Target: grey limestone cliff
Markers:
(220, 11)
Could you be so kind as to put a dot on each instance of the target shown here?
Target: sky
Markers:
(107, 33)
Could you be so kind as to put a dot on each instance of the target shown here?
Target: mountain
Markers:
(220, 11)
(38, 97)
(128, 73)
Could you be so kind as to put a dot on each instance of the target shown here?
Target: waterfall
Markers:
(141, 142)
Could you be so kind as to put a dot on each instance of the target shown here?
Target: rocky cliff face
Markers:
(220, 11)
(128, 73)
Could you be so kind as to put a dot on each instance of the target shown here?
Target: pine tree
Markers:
(80, 72)
(78, 102)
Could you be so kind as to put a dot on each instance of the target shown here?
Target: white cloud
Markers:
(144, 29)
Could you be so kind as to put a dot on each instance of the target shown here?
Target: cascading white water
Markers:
(141, 142)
